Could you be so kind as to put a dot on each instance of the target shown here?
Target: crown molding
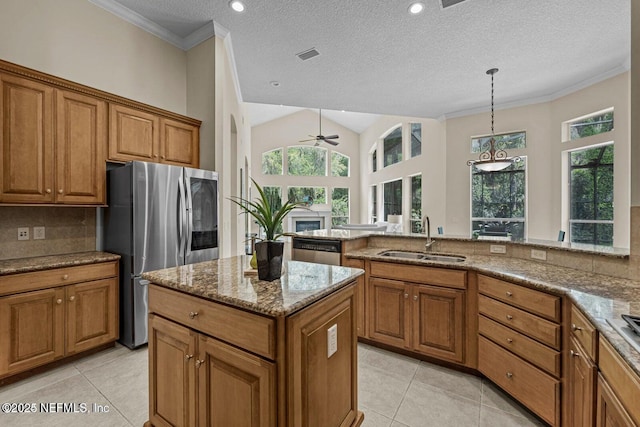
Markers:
(198, 36)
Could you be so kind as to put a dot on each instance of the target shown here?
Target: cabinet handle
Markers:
(162, 157)
(509, 294)
(575, 327)
(509, 317)
(188, 357)
(48, 191)
(574, 353)
(60, 191)
(199, 362)
(72, 297)
(509, 340)
(59, 301)
(193, 314)
(65, 277)
(415, 297)
(509, 375)
(406, 295)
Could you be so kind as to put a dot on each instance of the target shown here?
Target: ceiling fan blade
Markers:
(331, 137)
(329, 141)
(307, 140)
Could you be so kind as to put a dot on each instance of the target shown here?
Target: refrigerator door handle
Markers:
(144, 282)
(182, 220)
(189, 227)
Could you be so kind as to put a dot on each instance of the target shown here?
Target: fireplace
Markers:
(308, 220)
(308, 224)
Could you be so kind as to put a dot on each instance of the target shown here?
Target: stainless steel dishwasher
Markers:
(320, 251)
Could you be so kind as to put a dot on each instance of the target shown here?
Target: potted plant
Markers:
(268, 251)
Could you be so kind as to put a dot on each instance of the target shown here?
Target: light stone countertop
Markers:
(223, 280)
(598, 296)
(25, 265)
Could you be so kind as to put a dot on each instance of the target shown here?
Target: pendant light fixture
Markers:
(492, 159)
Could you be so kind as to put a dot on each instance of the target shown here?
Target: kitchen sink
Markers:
(423, 256)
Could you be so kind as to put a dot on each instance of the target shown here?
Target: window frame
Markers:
(385, 214)
(400, 145)
(281, 149)
(337, 153)
(289, 187)
(326, 158)
(348, 216)
(566, 126)
(415, 223)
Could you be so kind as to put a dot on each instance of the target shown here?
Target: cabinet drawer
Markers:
(216, 320)
(529, 385)
(624, 382)
(23, 282)
(536, 302)
(533, 326)
(584, 332)
(530, 350)
(418, 274)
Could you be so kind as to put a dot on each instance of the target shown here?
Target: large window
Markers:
(308, 194)
(374, 204)
(339, 164)
(392, 198)
(505, 141)
(591, 175)
(374, 161)
(274, 195)
(498, 202)
(272, 162)
(591, 125)
(307, 161)
(416, 139)
(339, 206)
(416, 204)
(392, 145)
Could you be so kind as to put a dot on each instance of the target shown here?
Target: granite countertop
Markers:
(223, 280)
(337, 234)
(598, 296)
(25, 265)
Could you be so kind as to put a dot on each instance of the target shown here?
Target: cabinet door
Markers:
(582, 381)
(81, 137)
(172, 386)
(134, 134)
(438, 322)
(26, 141)
(235, 388)
(389, 315)
(610, 412)
(179, 143)
(31, 329)
(360, 295)
(92, 314)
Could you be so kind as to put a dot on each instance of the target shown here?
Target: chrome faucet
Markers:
(429, 244)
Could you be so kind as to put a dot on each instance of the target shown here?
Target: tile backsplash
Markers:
(67, 230)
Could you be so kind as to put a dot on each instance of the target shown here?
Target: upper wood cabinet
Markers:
(139, 135)
(43, 166)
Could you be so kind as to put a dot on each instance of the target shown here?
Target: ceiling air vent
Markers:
(308, 54)
(449, 3)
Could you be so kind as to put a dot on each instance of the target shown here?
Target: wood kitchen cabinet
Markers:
(582, 374)
(361, 293)
(40, 165)
(611, 413)
(423, 318)
(145, 136)
(48, 315)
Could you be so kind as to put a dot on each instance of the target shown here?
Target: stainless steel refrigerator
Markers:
(159, 216)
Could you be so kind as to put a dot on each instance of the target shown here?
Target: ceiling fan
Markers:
(320, 137)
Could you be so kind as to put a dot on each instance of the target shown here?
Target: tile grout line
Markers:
(107, 399)
(404, 395)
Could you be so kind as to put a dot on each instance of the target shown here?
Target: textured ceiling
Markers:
(377, 58)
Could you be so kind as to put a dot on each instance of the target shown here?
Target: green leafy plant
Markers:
(265, 213)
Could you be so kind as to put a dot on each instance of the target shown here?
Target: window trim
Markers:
(566, 125)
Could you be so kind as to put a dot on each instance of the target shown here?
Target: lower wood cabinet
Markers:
(41, 326)
(582, 373)
(611, 413)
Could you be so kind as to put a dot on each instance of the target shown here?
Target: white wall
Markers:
(84, 43)
(430, 164)
(287, 131)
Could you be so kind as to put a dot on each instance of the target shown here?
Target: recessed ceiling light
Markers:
(274, 83)
(236, 5)
(416, 8)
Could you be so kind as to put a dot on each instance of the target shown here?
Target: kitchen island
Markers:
(229, 349)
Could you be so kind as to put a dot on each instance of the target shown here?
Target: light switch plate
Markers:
(538, 254)
(38, 233)
(332, 340)
(498, 249)
(23, 233)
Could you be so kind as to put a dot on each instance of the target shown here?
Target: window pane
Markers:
(374, 161)
(416, 139)
(272, 162)
(308, 195)
(591, 126)
(393, 147)
(307, 161)
(392, 198)
(340, 206)
(506, 141)
(374, 204)
(339, 164)
(416, 204)
(592, 233)
(498, 229)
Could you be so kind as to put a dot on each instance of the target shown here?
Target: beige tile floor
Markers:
(394, 391)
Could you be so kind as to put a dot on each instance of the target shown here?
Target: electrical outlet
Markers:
(23, 233)
(498, 249)
(332, 340)
(538, 254)
(38, 233)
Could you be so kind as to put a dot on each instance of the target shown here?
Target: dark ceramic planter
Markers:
(269, 257)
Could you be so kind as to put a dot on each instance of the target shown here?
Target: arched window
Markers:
(272, 162)
(392, 147)
(307, 161)
(339, 164)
